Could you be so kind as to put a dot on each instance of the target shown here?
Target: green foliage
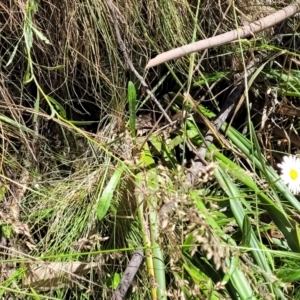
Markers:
(132, 107)
(154, 254)
(209, 78)
(76, 189)
(287, 83)
(106, 197)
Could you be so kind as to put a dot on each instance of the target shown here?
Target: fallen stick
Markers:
(227, 37)
(128, 275)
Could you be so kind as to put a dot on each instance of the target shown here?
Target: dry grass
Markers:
(52, 172)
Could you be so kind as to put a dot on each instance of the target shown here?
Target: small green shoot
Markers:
(131, 94)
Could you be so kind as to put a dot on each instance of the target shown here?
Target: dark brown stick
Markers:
(128, 275)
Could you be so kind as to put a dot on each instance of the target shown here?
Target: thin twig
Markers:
(129, 62)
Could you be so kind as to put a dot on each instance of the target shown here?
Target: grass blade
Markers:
(108, 192)
(132, 107)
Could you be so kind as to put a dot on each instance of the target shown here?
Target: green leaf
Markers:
(13, 54)
(289, 274)
(28, 34)
(246, 232)
(288, 228)
(28, 77)
(12, 122)
(58, 107)
(6, 230)
(3, 190)
(209, 78)
(115, 280)
(107, 195)
(148, 179)
(238, 205)
(146, 158)
(41, 36)
(132, 105)
(82, 123)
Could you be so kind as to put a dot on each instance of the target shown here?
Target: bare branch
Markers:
(227, 37)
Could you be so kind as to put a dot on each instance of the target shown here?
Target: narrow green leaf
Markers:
(233, 265)
(3, 190)
(237, 205)
(146, 158)
(28, 35)
(11, 58)
(289, 274)
(132, 105)
(41, 36)
(82, 123)
(207, 78)
(107, 195)
(58, 107)
(288, 228)
(15, 124)
(246, 232)
(28, 77)
(245, 146)
(58, 67)
(149, 178)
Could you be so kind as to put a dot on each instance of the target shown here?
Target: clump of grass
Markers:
(70, 168)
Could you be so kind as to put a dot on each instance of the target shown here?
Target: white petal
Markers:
(290, 163)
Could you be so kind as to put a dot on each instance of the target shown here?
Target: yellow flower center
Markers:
(293, 174)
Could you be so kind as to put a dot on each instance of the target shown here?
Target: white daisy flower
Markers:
(290, 173)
